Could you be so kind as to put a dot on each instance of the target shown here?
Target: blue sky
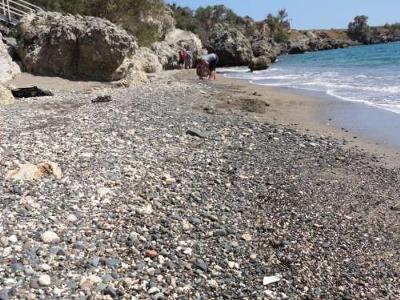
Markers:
(312, 14)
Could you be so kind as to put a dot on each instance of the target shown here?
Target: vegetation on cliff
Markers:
(148, 20)
(279, 26)
(204, 19)
(359, 29)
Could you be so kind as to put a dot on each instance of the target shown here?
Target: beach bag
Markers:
(202, 69)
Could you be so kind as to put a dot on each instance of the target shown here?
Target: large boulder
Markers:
(260, 63)
(167, 50)
(232, 47)
(74, 47)
(136, 67)
(8, 68)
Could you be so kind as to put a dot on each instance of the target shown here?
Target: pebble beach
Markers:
(163, 193)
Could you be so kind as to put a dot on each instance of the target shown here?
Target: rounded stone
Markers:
(44, 280)
(50, 237)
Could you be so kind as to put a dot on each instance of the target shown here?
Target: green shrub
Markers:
(281, 36)
(359, 29)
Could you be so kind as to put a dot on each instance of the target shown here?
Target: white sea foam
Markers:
(379, 87)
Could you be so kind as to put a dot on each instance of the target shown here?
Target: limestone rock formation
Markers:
(6, 96)
(167, 50)
(135, 67)
(74, 47)
(8, 68)
(232, 47)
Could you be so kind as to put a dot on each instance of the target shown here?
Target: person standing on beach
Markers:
(188, 59)
(182, 56)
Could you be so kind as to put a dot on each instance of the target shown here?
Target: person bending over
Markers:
(212, 61)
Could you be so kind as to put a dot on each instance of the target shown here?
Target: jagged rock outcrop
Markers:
(232, 47)
(167, 50)
(74, 47)
(266, 46)
(8, 68)
(306, 41)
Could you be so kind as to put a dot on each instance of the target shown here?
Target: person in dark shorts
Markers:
(188, 59)
(212, 61)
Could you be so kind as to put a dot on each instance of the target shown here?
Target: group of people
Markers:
(206, 65)
(185, 59)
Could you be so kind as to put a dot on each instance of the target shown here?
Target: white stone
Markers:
(44, 280)
(50, 237)
(272, 279)
(88, 282)
(247, 237)
(188, 251)
(145, 210)
(29, 202)
(72, 218)
(212, 283)
(168, 179)
(153, 290)
(13, 239)
(45, 267)
(103, 191)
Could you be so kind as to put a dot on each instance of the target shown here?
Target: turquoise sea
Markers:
(369, 74)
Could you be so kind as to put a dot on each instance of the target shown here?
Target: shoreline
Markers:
(316, 115)
(303, 111)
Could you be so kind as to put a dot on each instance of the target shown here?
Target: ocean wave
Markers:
(340, 74)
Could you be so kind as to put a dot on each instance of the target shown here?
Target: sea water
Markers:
(369, 74)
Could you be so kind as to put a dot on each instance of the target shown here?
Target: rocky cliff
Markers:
(91, 48)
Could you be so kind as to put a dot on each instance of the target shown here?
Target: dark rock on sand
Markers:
(30, 92)
(101, 99)
(260, 63)
(196, 132)
(76, 47)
